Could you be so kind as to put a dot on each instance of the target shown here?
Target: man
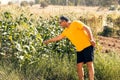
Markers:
(81, 37)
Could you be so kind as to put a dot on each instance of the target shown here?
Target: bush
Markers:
(118, 33)
(107, 31)
(37, 1)
(24, 3)
(43, 4)
(31, 3)
(10, 3)
(118, 8)
(112, 8)
(117, 22)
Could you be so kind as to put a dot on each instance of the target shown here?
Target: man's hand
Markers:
(45, 42)
(93, 43)
(57, 38)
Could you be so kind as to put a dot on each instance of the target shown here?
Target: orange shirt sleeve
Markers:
(63, 33)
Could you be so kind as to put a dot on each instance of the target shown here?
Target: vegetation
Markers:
(24, 57)
(24, 3)
(10, 3)
(31, 3)
(104, 3)
(43, 4)
(108, 31)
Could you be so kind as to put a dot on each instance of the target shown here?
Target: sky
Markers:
(6, 1)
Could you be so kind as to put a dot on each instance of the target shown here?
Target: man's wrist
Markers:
(92, 40)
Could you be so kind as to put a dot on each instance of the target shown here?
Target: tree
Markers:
(10, 3)
(43, 4)
(24, 3)
(31, 3)
(106, 3)
(66, 2)
(76, 2)
(37, 1)
(119, 2)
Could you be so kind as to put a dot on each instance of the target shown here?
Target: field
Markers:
(23, 56)
(109, 44)
(106, 42)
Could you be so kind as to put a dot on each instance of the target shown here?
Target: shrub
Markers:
(31, 3)
(10, 3)
(37, 1)
(43, 4)
(107, 31)
(117, 22)
(118, 32)
(112, 8)
(118, 8)
(24, 3)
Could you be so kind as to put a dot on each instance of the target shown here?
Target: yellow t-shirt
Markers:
(77, 35)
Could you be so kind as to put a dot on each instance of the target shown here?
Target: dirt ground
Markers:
(109, 44)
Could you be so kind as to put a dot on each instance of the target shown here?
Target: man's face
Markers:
(62, 23)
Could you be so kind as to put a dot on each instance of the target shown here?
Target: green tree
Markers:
(43, 4)
(119, 2)
(37, 1)
(31, 3)
(106, 3)
(76, 2)
(24, 3)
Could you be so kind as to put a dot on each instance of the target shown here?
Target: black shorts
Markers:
(86, 55)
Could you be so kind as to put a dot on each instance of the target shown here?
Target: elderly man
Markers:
(82, 38)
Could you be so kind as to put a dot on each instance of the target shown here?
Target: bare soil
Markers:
(109, 44)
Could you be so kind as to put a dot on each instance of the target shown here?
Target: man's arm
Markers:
(89, 32)
(57, 38)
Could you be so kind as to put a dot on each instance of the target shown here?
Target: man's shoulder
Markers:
(77, 22)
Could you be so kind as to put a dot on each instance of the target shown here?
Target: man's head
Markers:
(64, 21)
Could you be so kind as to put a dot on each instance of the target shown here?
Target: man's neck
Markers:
(67, 26)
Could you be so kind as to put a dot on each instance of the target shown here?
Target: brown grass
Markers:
(58, 10)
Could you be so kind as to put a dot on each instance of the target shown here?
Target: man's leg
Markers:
(80, 71)
(90, 70)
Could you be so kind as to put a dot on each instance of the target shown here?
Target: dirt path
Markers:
(109, 44)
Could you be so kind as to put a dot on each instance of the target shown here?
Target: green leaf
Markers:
(18, 46)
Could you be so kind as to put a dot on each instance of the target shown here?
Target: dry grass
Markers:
(58, 10)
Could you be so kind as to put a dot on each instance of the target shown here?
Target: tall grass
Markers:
(7, 71)
(107, 66)
(52, 67)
